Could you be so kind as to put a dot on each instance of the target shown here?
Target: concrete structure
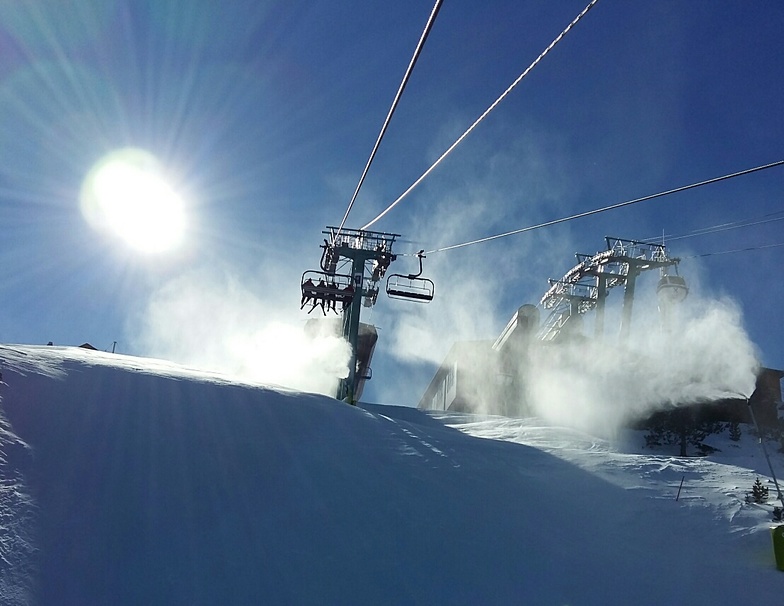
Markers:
(485, 376)
(466, 380)
(766, 401)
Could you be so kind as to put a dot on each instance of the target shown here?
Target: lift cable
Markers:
(417, 51)
(611, 207)
(484, 115)
(737, 250)
(704, 231)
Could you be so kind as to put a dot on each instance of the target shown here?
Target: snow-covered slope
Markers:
(132, 481)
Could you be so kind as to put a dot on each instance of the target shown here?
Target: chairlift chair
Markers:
(411, 287)
(318, 286)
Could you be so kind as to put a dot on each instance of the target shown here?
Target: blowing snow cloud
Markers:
(597, 384)
(212, 320)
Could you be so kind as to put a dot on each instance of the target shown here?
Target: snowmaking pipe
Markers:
(764, 449)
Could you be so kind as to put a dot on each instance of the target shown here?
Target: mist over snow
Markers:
(247, 327)
(477, 288)
(598, 384)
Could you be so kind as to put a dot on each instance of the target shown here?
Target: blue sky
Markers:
(262, 115)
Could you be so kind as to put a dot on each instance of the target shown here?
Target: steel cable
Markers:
(484, 115)
(417, 52)
(596, 211)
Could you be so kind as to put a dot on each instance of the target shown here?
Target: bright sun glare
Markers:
(127, 194)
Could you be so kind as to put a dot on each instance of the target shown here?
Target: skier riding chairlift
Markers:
(308, 293)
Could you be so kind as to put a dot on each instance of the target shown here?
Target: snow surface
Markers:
(134, 481)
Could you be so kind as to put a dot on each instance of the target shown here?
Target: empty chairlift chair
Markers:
(411, 287)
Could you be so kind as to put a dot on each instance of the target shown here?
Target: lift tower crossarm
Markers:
(586, 285)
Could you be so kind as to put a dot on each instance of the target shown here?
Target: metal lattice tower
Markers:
(586, 285)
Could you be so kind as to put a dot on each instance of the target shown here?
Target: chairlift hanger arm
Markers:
(420, 255)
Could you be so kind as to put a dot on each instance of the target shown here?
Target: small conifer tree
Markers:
(759, 492)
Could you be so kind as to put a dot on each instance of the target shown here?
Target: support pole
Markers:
(765, 451)
(628, 301)
(351, 330)
(601, 297)
(360, 247)
(678, 496)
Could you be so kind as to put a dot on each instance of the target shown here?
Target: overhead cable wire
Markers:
(596, 211)
(737, 250)
(484, 115)
(704, 231)
(409, 70)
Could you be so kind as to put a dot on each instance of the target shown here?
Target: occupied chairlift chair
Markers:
(320, 286)
(327, 286)
(411, 287)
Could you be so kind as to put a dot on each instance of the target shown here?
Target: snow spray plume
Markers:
(210, 320)
(472, 283)
(597, 385)
(466, 305)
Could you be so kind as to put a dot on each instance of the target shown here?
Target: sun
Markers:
(126, 193)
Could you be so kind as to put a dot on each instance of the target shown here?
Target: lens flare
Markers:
(126, 194)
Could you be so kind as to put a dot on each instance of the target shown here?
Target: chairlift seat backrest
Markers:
(411, 288)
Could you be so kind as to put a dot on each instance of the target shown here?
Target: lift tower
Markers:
(586, 285)
(369, 254)
(353, 262)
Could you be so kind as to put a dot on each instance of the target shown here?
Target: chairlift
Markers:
(322, 287)
(672, 288)
(412, 286)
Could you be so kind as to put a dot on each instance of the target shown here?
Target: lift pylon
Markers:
(352, 264)
(586, 285)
